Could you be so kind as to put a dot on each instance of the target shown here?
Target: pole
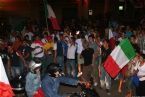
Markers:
(46, 13)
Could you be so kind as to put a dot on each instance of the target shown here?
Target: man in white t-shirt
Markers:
(71, 61)
(80, 60)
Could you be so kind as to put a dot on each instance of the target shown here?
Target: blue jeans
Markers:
(60, 61)
(95, 72)
(105, 79)
(98, 60)
(71, 68)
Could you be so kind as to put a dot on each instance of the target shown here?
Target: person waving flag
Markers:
(119, 57)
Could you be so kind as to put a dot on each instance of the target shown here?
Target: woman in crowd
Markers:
(33, 79)
(105, 79)
(141, 75)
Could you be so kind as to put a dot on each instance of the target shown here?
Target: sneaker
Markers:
(108, 92)
(119, 91)
(95, 84)
(79, 74)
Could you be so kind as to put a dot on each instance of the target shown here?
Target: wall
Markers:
(24, 8)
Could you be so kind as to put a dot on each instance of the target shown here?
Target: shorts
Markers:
(80, 60)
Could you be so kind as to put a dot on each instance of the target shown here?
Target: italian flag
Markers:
(49, 14)
(5, 87)
(52, 17)
(119, 57)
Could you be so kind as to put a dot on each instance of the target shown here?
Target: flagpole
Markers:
(45, 8)
(46, 22)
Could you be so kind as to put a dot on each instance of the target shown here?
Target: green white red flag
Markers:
(5, 87)
(119, 57)
(52, 17)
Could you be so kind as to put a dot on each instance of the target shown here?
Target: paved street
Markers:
(64, 89)
(102, 93)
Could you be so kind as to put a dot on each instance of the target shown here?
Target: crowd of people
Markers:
(79, 49)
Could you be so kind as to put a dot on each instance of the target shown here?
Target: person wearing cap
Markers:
(53, 78)
(33, 79)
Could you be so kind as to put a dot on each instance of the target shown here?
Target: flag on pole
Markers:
(52, 17)
(119, 57)
(5, 87)
(111, 39)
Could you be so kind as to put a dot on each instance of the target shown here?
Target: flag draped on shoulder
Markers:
(119, 57)
(5, 87)
(111, 39)
(52, 17)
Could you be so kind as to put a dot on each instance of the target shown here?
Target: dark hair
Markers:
(82, 36)
(61, 35)
(26, 37)
(55, 39)
(133, 36)
(18, 37)
(78, 36)
(92, 36)
(137, 51)
(143, 55)
(117, 43)
(10, 43)
(73, 39)
(52, 68)
(105, 40)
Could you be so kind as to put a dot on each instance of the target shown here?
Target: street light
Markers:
(121, 7)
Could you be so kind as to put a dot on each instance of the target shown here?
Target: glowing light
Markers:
(120, 7)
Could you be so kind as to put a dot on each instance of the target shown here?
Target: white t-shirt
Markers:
(30, 35)
(55, 46)
(141, 72)
(79, 46)
(38, 48)
(71, 51)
